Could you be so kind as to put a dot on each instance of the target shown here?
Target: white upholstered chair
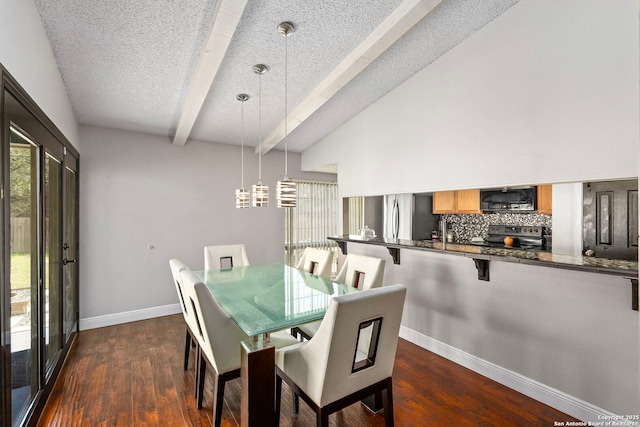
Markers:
(362, 272)
(350, 357)
(359, 271)
(219, 340)
(316, 261)
(191, 327)
(225, 256)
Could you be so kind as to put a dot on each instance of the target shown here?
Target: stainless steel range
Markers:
(524, 237)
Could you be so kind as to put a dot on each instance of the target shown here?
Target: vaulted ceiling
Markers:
(174, 67)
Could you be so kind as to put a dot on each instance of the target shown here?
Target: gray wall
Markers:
(139, 191)
(374, 213)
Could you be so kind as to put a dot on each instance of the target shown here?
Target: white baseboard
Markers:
(128, 316)
(549, 396)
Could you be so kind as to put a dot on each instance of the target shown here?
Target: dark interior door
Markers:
(610, 219)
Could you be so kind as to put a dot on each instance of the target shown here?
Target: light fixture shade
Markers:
(286, 193)
(242, 198)
(259, 196)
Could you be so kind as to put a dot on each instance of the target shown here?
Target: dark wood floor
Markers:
(131, 375)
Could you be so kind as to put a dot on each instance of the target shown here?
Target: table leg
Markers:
(257, 371)
(373, 402)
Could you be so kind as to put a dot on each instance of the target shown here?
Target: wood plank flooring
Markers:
(132, 375)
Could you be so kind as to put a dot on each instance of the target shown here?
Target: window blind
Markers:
(313, 219)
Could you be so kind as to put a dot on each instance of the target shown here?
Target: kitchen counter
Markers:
(479, 253)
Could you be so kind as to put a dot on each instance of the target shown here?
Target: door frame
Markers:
(11, 86)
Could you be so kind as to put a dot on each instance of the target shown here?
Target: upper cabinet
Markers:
(468, 201)
(444, 202)
(461, 201)
(545, 199)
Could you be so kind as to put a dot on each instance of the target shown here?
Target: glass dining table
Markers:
(271, 297)
(261, 299)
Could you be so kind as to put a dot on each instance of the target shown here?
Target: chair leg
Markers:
(197, 373)
(218, 401)
(387, 402)
(278, 399)
(201, 374)
(296, 402)
(187, 346)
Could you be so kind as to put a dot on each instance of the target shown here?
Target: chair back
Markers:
(362, 272)
(224, 256)
(218, 335)
(316, 261)
(335, 366)
(177, 267)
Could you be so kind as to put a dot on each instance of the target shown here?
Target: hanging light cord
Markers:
(259, 129)
(242, 150)
(286, 108)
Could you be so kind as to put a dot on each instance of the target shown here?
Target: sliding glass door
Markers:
(52, 199)
(23, 270)
(39, 273)
(70, 248)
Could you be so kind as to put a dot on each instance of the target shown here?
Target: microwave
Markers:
(519, 199)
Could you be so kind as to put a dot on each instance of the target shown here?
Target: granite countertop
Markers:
(543, 258)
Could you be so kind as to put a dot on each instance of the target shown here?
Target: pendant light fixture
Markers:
(242, 195)
(259, 192)
(286, 189)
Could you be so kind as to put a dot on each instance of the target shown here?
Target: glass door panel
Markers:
(70, 253)
(39, 280)
(23, 175)
(52, 258)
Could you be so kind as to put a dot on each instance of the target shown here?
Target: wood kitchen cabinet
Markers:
(444, 202)
(468, 201)
(461, 201)
(545, 199)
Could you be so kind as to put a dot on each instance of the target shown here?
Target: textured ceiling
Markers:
(128, 64)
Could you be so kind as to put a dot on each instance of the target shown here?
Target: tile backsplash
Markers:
(467, 226)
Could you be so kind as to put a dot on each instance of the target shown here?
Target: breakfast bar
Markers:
(483, 255)
(572, 312)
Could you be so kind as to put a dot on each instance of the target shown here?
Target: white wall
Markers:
(138, 190)
(25, 52)
(547, 92)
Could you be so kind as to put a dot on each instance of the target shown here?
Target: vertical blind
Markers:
(356, 214)
(313, 219)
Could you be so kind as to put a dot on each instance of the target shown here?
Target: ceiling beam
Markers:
(396, 25)
(225, 21)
